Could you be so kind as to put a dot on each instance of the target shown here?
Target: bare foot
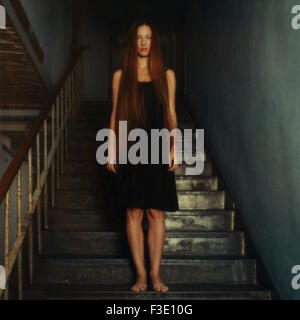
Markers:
(141, 283)
(158, 285)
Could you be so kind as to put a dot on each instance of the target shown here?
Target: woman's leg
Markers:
(156, 240)
(135, 236)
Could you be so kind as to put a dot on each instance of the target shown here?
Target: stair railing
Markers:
(60, 109)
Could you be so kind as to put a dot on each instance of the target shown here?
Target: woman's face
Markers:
(143, 40)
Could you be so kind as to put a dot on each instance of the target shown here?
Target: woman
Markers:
(144, 96)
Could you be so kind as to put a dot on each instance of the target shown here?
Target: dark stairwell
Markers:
(208, 253)
(85, 250)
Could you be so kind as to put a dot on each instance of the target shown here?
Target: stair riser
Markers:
(195, 184)
(95, 112)
(222, 221)
(100, 121)
(207, 170)
(206, 201)
(81, 163)
(90, 110)
(79, 201)
(255, 295)
(84, 134)
(88, 182)
(75, 222)
(84, 130)
(95, 244)
(87, 143)
(231, 246)
(88, 146)
(89, 154)
(175, 272)
(187, 201)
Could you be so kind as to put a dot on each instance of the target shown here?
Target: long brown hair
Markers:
(129, 104)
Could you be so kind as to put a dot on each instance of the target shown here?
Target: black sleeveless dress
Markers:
(148, 185)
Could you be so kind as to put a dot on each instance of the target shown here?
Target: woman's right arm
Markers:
(115, 90)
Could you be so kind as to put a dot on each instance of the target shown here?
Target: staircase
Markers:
(22, 90)
(85, 250)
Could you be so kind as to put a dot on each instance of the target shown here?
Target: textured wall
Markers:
(243, 88)
(94, 31)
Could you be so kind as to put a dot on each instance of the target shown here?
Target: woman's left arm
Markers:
(171, 80)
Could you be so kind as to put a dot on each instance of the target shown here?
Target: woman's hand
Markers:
(173, 158)
(110, 165)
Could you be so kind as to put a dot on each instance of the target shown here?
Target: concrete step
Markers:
(100, 220)
(122, 271)
(194, 183)
(187, 200)
(123, 292)
(79, 180)
(84, 140)
(182, 170)
(115, 244)
(87, 163)
(102, 120)
(200, 220)
(85, 220)
(88, 146)
(90, 126)
(201, 200)
(79, 199)
(89, 108)
(84, 136)
(86, 130)
(92, 109)
(83, 128)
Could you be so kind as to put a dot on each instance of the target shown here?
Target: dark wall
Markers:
(242, 84)
(51, 21)
(94, 32)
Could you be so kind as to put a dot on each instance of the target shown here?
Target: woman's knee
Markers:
(135, 214)
(155, 214)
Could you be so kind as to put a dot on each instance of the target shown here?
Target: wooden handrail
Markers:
(21, 154)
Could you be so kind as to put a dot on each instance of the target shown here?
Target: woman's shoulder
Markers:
(117, 75)
(117, 71)
(169, 72)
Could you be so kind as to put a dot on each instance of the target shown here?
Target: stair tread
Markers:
(179, 234)
(171, 259)
(193, 192)
(195, 177)
(124, 288)
(100, 212)
(123, 292)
